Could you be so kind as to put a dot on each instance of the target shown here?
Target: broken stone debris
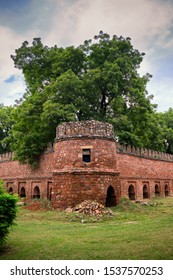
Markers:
(91, 208)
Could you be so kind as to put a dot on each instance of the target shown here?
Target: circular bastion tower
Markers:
(85, 165)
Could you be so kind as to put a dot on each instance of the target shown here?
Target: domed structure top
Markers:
(84, 129)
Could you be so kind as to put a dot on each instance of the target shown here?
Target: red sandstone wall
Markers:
(135, 167)
(75, 180)
(15, 170)
(68, 154)
(73, 188)
(138, 171)
(18, 175)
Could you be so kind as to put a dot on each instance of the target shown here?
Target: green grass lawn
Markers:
(133, 232)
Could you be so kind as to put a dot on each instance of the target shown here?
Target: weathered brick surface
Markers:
(113, 170)
(68, 154)
(18, 175)
(75, 180)
(13, 169)
(72, 188)
(139, 171)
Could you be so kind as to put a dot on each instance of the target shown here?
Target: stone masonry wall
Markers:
(13, 169)
(72, 188)
(18, 175)
(66, 179)
(138, 171)
(85, 129)
(75, 180)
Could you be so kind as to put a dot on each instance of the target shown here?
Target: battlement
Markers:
(141, 152)
(94, 129)
(6, 157)
(121, 148)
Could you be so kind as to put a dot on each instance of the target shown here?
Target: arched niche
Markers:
(131, 192)
(111, 197)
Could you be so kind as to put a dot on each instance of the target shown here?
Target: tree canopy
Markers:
(6, 123)
(97, 80)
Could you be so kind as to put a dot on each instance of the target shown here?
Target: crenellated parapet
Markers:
(84, 129)
(6, 157)
(142, 152)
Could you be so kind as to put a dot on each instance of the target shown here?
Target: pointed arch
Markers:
(10, 190)
(36, 193)
(131, 192)
(22, 192)
(111, 197)
(166, 189)
(157, 190)
(145, 192)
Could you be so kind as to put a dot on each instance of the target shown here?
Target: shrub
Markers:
(8, 210)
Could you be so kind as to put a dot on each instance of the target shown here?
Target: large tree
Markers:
(6, 122)
(97, 80)
(166, 122)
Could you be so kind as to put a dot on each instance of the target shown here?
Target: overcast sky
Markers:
(149, 23)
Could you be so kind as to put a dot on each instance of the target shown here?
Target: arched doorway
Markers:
(157, 190)
(131, 192)
(111, 197)
(50, 193)
(145, 192)
(36, 193)
(10, 190)
(22, 192)
(49, 190)
(166, 190)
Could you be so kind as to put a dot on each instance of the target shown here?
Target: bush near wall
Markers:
(8, 210)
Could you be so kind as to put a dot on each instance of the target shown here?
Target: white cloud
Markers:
(142, 20)
(163, 93)
(9, 92)
(7, 46)
(147, 22)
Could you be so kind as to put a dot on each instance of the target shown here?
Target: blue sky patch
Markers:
(11, 79)
(13, 4)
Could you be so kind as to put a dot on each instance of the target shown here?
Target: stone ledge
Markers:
(59, 139)
(86, 172)
(84, 129)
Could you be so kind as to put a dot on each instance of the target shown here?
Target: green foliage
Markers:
(1, 187)
(166, 121)
(7, 213)
(35, 122)
(97, 80)
(6, 122)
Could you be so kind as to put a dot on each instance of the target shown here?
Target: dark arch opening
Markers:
(145, 192)
(157, 191)
(49, 190)
(131, 192)
(50, 193)
(111, 197)
(22, 192)
(36, 194)
(10, 190)
(166, 190)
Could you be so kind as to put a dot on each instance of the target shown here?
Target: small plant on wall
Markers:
(8, 211)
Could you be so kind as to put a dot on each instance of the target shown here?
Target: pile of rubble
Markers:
(90, 208)
(146, 203)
